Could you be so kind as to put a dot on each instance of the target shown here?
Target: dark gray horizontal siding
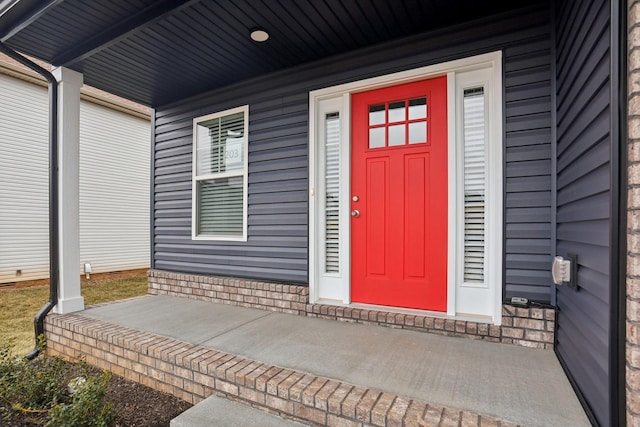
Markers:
(278, 154)
(528, 169)
(278, 202)
(583, 196)
(528, 261)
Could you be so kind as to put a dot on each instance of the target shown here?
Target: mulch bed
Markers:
(138, 405)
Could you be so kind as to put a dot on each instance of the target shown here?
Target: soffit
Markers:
(157, 52)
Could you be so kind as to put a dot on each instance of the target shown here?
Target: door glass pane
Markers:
(417, 132)
(396, 135)
(376, 137)
(376, 115)
(396, 112)
(418, 108)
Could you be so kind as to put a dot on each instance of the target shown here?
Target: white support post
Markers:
(69, 83)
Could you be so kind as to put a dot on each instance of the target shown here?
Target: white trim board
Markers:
(463, 300)
(244, 174)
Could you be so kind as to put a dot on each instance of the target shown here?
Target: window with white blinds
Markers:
(474, 184)
(220, 175)
(332, 193)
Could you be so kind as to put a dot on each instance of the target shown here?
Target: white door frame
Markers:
(334, 288)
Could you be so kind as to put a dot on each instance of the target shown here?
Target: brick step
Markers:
(193, 373)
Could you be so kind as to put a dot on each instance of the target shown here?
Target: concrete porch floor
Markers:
(515, 384)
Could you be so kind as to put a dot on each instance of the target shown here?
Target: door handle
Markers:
(355, 213)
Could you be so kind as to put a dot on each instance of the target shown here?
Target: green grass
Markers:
(18, 307)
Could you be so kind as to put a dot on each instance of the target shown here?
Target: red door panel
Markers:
(399, 184)
(416, 216)
(377, 197)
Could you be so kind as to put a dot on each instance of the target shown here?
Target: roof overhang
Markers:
(157, 52)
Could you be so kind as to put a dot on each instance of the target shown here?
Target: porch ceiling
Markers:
(157, 52)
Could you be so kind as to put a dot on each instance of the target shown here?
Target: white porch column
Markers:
(69, 298)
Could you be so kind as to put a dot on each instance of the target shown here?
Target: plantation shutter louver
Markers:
(474, 184)
(332, 193)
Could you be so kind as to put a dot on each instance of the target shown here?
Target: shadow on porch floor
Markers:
(318, 370)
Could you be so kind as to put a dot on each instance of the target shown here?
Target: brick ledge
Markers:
(527, 327)
(193, 373)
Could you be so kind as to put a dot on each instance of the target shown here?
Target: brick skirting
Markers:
(193, 373)
(632, 368)
(528, 327)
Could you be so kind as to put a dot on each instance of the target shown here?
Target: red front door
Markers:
(399, 196)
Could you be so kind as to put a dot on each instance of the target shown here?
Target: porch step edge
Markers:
(218, 411)
(532, 327)
(193, 373)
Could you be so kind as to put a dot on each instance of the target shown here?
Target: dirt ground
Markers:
(138, 405)
(134, 405)
(93, 278)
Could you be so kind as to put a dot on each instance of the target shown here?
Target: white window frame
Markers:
(333, 290)
(469, 296)
(336, 288)
(195, 178)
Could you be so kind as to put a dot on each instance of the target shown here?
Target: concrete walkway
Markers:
(521, 385)
(220, 412)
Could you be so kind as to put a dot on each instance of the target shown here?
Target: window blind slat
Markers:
(474, 185)
(220, 207)
(332, 193)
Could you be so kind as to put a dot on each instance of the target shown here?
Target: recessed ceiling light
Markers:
(259, 35)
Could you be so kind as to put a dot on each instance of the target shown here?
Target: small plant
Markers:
(29, 386)
(87, 407)
(39, 391)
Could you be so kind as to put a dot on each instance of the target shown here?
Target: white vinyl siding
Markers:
(24, 180)
(474, 184)
(114, 185)
(114, 189)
